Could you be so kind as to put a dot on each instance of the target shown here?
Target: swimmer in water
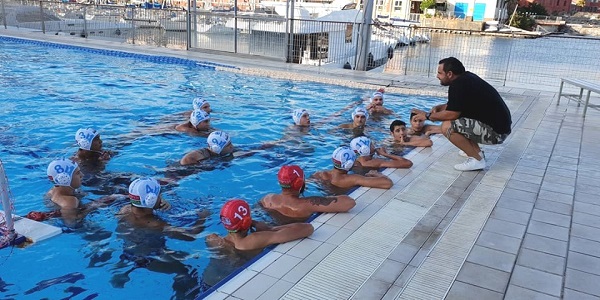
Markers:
(201, 104)
(66, 176)
(291, 204)
(376, 105)
(365, 149)
(418, 126)
(198, 124)
(401, 137)
(236, 218)
(301, 117)
(218, 144)
(343, 159)
(144, 235)
(90, 146)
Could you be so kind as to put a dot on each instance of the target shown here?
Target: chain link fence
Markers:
(403, 50)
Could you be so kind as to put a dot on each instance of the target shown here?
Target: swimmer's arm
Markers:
(419, 141)
(281, 234)
(342, 203)
(373, 179)
(192, 157)
(396, 160)
(432, 129)
(261, 226)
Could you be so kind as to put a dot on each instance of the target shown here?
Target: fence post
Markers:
(188, 24)
(508, 60)
(3, 14)
(85, 30)
(133, 25)
(42, 17)
(235, 27)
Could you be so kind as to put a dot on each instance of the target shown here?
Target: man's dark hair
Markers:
(452, 64)
(396, 123)
(412, 114)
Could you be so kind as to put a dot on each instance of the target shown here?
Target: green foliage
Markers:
(523, 21)
(580, 3)
(427, 4)
(533, 9)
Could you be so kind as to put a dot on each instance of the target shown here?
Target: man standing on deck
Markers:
(474, 114)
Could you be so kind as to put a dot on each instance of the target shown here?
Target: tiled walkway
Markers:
(526, 227)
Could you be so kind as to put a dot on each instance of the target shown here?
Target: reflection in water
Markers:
(146, 248)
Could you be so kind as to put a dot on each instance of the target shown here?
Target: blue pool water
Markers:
(49, 91)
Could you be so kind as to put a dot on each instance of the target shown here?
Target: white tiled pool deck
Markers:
(526, 227)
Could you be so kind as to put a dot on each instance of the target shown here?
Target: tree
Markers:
(524, 19)
(580, 3)
(427, 4)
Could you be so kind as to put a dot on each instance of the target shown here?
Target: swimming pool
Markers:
(52, 90)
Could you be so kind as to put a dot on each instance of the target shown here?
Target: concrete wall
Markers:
(592, 31)
(451, 24)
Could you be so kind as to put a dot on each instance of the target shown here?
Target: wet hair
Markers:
(411, 116)
(397, 123)
(452, 64)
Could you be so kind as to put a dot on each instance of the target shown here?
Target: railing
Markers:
(393, 49)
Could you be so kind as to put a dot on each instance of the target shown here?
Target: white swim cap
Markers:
(84, 137)
(377, 94)
(198, 103)
(143, 192)
(60, 171)
(361, 146)
(297, 115)
(343, 158)
(198, 116)
(360, 111)
(217, 140)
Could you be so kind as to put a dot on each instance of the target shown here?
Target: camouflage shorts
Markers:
(477, 131)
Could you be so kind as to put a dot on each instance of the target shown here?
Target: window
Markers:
(397, 5)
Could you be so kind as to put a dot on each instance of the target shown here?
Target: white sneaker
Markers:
(471, 164)
(463, 154)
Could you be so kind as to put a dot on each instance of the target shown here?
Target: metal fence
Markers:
(402, 50)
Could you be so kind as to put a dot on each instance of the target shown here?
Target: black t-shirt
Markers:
(476, 99)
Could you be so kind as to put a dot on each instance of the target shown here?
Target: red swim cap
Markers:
(291, 177)
(235, 215)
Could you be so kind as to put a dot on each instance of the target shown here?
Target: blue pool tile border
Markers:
(146, 57)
